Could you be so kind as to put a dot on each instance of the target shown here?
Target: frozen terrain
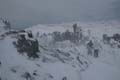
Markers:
(62, 60)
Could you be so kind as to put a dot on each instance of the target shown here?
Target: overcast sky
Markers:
(24, 13)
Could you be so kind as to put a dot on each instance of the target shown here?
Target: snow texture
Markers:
(62, 60)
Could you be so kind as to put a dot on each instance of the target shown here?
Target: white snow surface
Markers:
(53, 65)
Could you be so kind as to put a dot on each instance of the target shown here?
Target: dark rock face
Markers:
(30, 47)
(116, 37)
(0, 64)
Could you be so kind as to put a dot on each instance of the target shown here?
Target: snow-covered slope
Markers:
(62, 60)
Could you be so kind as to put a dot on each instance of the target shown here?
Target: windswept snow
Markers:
(101, 71)
(62, 60)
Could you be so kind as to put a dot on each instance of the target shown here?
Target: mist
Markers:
(25, 13)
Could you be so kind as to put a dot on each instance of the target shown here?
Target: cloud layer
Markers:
(28, 12)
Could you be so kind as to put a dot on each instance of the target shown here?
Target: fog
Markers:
(25, 13)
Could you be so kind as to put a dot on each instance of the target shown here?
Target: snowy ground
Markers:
(55, 65)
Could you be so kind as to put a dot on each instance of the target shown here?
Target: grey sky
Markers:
(29, 12)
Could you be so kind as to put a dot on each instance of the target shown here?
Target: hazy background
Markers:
(25, 13)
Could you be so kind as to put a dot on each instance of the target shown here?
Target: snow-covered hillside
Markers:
(62, 60)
